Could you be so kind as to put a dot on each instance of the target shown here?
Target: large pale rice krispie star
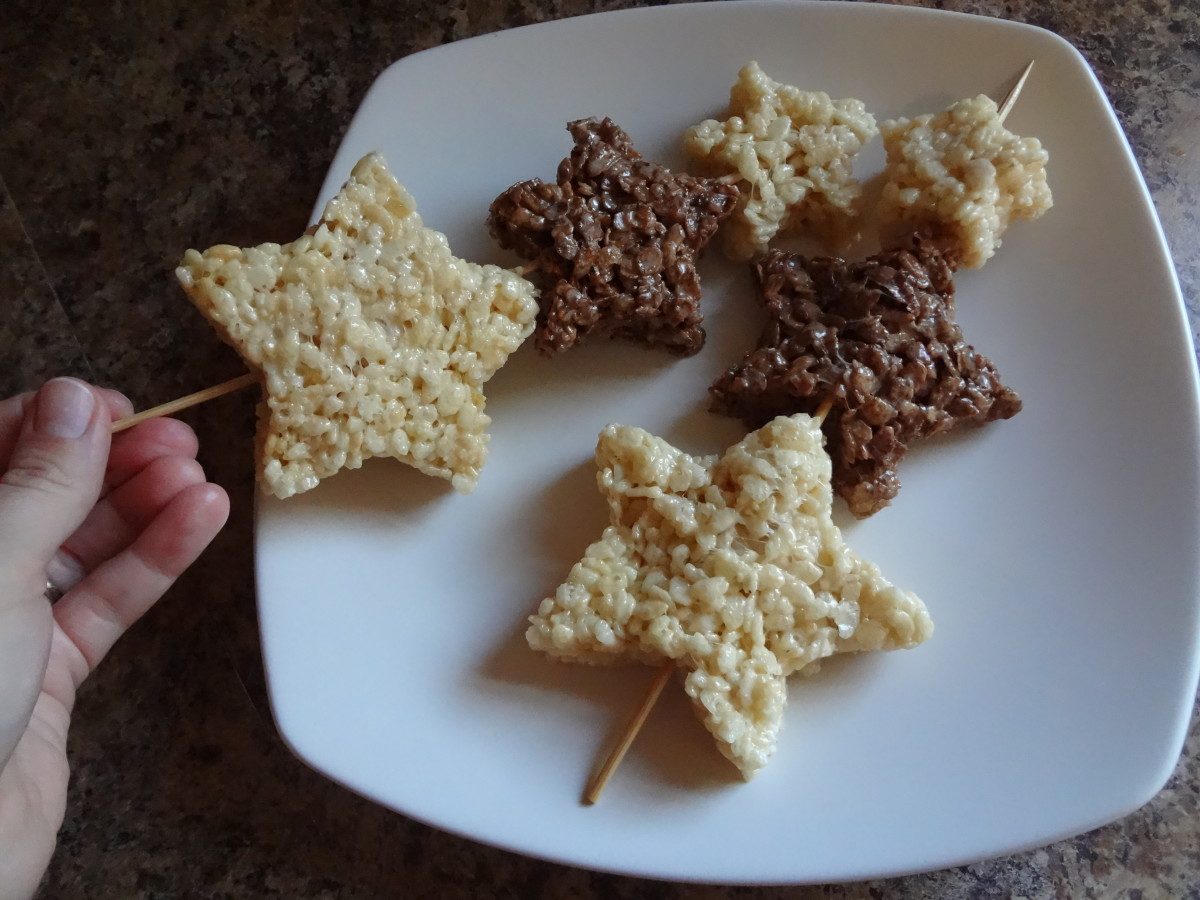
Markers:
(730, 566)
(791, 152)
(371, 338)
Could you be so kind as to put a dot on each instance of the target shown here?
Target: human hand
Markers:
(111, 522)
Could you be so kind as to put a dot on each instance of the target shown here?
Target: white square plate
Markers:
(1057, 551)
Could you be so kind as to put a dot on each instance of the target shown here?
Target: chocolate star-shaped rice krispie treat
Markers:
(878, 340)
(614, 243)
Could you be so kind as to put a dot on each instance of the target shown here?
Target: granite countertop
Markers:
(131, 130)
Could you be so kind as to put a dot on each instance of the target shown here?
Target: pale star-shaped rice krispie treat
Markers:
(730, 566)
(371, 338)
(962, 177)
(792, 153)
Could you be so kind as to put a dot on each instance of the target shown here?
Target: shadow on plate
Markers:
(570, 514)
(382, 487)
(599, 359)
(701, 432)
(673, 744)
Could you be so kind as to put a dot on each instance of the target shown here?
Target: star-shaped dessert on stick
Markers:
(791, 153)
(732, 568)
(613, 243)
(875, 340)
(963, 177)
(369, 336)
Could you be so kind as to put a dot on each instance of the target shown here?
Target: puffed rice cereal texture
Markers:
(963, 176)
(792, 152)
(730, 566)
(371, 338)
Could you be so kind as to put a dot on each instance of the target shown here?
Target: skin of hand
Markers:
(113, 521)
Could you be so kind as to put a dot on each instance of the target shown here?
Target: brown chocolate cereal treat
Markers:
(878, 340)
(614, 243)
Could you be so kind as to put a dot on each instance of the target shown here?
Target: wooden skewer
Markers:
(226, 387)
(592, 792)
(165, 409)
(1010, 98)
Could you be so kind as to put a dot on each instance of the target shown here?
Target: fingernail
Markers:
(64, 408)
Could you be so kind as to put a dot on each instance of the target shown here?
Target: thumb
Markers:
(53, 480)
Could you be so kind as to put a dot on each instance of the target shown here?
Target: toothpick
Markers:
(823, 410)
(165, 409)
(1010, 98)
(227, 387)
(594, 788)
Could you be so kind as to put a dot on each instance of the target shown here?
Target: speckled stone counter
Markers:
(131, 130)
